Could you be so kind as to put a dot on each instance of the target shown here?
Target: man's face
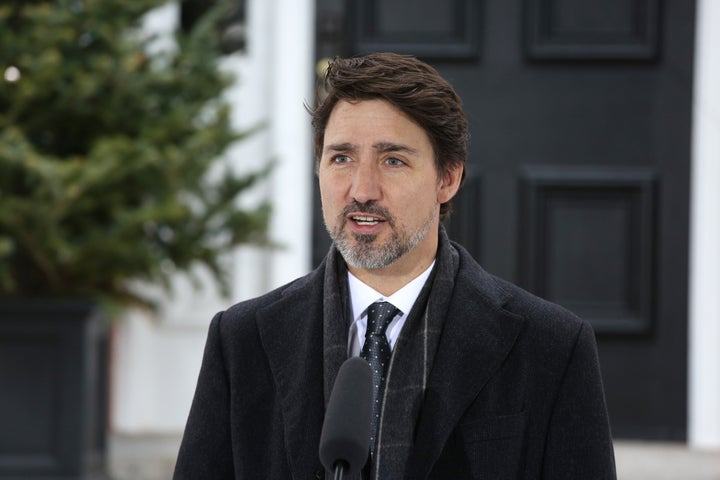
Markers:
(380, 189)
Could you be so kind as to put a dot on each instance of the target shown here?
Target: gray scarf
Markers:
(412, 356)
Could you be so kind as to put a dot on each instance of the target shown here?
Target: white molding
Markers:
(704, 258)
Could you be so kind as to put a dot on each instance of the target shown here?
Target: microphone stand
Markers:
(340, 467)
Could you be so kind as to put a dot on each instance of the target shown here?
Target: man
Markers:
(483, 380)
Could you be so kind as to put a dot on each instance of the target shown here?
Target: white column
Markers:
(292, 83)
(704, 279)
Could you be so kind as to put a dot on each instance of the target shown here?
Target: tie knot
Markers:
(380, 314)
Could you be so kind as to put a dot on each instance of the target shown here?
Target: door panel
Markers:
(578, 173)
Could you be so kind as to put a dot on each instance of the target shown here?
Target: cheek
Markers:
(334, 184)
(417, 203)
(330, 193)
(428, 194)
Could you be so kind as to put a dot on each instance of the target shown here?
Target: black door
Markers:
(578, 177)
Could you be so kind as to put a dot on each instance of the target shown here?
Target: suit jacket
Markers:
(514, 392)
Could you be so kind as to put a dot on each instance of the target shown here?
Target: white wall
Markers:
(704, 293)
(156, 359)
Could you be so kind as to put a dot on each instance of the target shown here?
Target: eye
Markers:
(340, 159)
(394, 162)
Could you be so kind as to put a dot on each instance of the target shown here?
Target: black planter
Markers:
(53, 390)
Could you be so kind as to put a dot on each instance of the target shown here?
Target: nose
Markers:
(365, 183)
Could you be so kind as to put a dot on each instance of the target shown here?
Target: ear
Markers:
(450, 183)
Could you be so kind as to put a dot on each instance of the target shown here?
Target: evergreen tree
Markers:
(106, 149)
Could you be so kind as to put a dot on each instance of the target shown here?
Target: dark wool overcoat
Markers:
(514, 391)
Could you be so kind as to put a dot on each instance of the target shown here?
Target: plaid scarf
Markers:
(412, 356)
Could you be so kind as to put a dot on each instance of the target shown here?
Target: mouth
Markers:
(365, 220)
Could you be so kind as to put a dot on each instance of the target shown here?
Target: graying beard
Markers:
(365, 257)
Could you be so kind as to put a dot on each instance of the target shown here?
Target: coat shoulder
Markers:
(541, 317)
(241, 315)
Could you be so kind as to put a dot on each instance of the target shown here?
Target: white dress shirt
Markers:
(362, 296)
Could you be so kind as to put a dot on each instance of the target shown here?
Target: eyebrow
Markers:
(340, 147)
(382, 147)
(385, 147)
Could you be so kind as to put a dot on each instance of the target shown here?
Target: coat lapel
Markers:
(291, 333)
(477, 336)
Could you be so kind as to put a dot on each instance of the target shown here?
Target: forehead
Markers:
(376, 119)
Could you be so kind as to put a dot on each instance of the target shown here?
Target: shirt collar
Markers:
(362, 295)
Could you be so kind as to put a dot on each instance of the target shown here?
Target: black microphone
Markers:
(345, 437)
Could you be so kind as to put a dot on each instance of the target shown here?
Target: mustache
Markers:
(371, 207)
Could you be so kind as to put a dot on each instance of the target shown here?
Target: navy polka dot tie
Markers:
(376, 351)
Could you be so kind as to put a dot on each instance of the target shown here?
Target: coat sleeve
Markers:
(579, 443)
(205, 450)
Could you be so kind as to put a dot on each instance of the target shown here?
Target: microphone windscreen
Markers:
(346, 429)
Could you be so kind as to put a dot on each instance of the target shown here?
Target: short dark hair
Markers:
(412, 86)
